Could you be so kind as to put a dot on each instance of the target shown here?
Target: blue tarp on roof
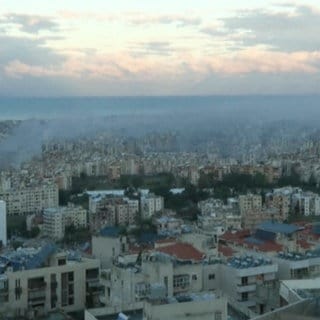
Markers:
(316, 228)
(254, 240)
(276, 227)
(110, 232)
(37, 260)
(149, 237)
(265, 235)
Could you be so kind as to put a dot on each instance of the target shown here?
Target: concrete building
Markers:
(55, 220)
(29, 200)
(42, 280)
(111, 210)
(244, 276)
(151, 204)
(205, 306)
(250, 202)
(293, 265)
(169, 226)
(250, 207)
(299, 300)
(108, 245)
(53, 223)
(279, 200)
(3, 223)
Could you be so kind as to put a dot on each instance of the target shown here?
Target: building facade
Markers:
(3, 223)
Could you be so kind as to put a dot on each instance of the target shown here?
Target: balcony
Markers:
(54, 285)
(94, 282)
(37, 295)
(247, 303)
(181, 288)
(246, 288)
(37, 286)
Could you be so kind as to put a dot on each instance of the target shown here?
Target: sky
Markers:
(168, 47)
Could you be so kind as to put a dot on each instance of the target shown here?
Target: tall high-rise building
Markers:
(3, 223)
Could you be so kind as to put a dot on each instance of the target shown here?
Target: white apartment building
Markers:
(242, 278)
(151, 204)
(298, 265)
(29, 200)
(53, 223)
(108, 245)
(56, 219)
(3, 223)
(45, 281)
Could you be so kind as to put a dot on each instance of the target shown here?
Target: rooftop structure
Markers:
(275, 227)
(183, 252)
(27, 258)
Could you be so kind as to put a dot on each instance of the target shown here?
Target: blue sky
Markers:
(131, 47)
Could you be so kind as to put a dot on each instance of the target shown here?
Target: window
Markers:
(194, 277)
(18, 290)
(218, 315)
(211, 276)
(181, 281)
(244, 296)
(70, 276)
(244, 281)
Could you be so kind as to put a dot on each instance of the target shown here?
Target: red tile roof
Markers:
(166, 240)
(304, 244)
(226, 251)
(182, 251)
(135, 249)
(235, 236)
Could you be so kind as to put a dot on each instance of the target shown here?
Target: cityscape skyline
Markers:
(130, 48)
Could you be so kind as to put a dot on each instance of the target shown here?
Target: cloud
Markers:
(124, 66)
(180, 20)
(293, 28)
(30, 23)
(156, 48)
(135, 18)
(29, 50)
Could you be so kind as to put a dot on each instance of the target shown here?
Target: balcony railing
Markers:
(246, 288)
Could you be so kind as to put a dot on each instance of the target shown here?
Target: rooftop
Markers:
(295, 256)
(111, 232)
(27, 258)
(182, 251)
(248, 261)
(276, 227)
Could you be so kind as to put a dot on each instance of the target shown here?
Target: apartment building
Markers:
(281, 201)
(111, 210)
(56, 219)
(241, 278)
(108, 245)
(249, 203)
(53, 223)
(151, 204)
(29, 200)
(3, 224)
(294, 265)
(40, 280)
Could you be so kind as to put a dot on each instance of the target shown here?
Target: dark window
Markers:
(244, 296)
(61, 262)
(244, 281)
(212, 276)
